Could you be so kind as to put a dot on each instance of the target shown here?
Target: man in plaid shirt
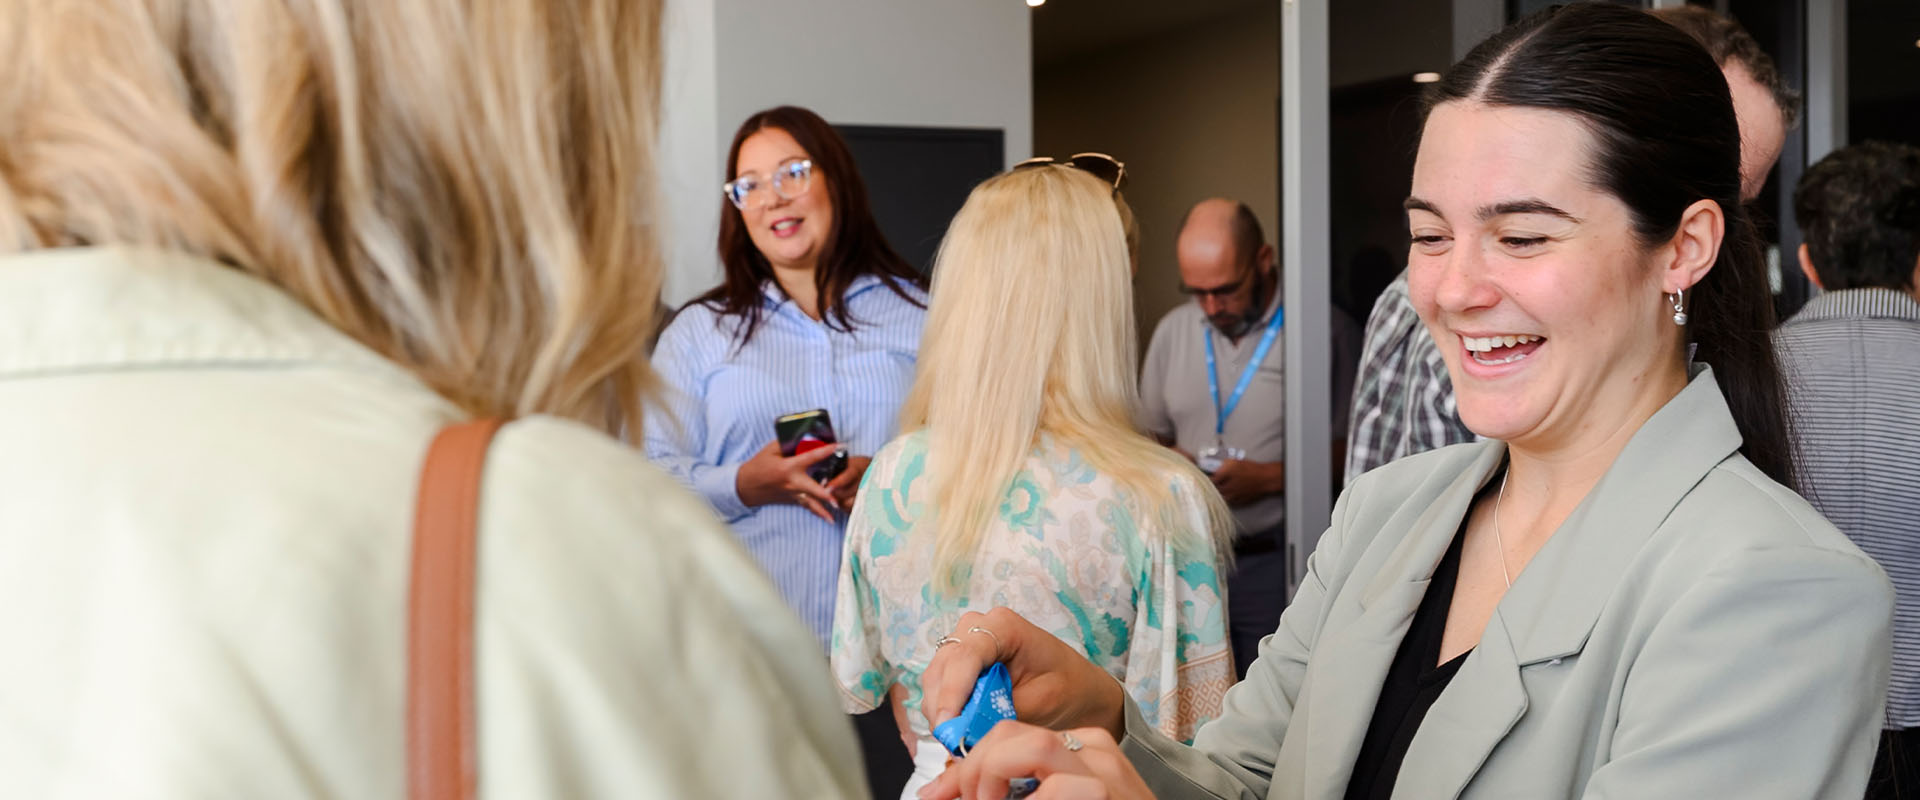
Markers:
(1403, 401)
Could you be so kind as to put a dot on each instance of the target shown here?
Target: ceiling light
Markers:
(1036, 3)
(1426, 77)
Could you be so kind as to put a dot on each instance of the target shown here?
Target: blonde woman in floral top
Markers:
(1021, 481)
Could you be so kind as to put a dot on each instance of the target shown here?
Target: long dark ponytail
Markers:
(1666, 138)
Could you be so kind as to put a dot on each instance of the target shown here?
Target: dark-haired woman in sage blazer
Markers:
(1615, 595)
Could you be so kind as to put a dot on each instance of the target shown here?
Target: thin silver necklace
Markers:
(1497, 541)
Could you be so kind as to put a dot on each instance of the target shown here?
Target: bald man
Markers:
(1403, 398)
(1213, 388)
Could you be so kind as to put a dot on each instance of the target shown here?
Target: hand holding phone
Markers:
(770, 477)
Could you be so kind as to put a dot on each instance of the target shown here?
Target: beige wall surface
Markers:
(1194, 113)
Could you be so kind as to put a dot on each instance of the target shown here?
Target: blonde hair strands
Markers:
(463, 187)
(1030, 332)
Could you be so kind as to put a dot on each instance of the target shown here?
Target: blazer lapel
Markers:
(1555, 602)
(1351, 660)
(1351, 666)
(1476, 710)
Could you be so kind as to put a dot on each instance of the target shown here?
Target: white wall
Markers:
(691, 151)
(958, 63)
(1193, 112)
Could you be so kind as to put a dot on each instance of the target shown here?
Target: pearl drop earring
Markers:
(1679, 300)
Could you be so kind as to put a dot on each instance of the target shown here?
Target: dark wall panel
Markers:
(917, 178)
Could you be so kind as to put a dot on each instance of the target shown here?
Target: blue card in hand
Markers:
(992, 701)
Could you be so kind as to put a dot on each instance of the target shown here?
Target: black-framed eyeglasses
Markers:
(1225, 290)
(789, 180)
(1100, 165)
(1218, 292)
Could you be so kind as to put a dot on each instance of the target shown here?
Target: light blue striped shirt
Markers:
(720, 400)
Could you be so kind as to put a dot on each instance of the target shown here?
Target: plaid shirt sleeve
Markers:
(1403, 399)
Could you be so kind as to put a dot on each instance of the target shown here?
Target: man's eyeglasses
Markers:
(1100, 165)
(1218, 292)
(790, 180)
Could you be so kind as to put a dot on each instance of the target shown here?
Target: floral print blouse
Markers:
(1068, 553)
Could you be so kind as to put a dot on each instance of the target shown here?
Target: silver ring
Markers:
(996, 639)
(1073, 745)
(944, 641)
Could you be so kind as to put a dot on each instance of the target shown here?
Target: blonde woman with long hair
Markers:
(254, 254)
(1021, 480)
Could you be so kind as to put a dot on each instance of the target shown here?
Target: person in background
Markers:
(1213, 388)
(1766, 106)
(1403, 401)
(1020, 480)
(253, 257)
(815, 311)
(1616, 594)
(1852, 356)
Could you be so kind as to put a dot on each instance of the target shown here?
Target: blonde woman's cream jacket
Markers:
(205, 505)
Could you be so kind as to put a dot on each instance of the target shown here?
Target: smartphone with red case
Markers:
(806, 431)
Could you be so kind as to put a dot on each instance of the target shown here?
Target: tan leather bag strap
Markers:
(440, 689)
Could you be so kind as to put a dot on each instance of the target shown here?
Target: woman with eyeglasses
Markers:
(815, 312)
(1021, 481)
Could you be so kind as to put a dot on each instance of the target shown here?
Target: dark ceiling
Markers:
(1063, 29)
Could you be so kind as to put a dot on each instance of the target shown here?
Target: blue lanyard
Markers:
(1246, 375)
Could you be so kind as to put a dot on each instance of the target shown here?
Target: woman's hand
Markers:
(847, 484)
(1080, 764)
(1053, 684)
(770, 478)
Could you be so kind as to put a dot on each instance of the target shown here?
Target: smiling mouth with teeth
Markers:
(1496, 350)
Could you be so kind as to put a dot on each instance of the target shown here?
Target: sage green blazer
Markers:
(1692, 630)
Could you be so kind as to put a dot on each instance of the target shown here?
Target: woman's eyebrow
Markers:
(1526, 206)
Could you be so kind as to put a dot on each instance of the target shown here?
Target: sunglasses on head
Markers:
(1099, 165)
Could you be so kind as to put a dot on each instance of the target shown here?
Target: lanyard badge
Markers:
(1214, 457)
